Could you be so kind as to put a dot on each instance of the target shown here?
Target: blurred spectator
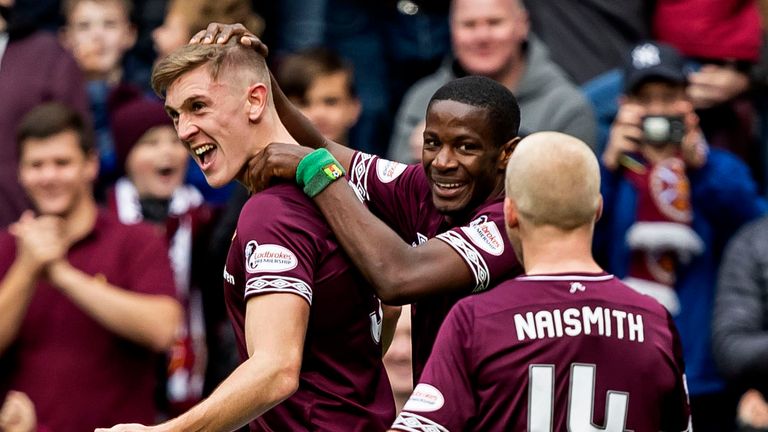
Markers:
(590, 37)
(391, 45)
(722, 40)
(491, 38)
(397, 360)
(99, 33)
(33, 69)
(153, 191)
(86, 303)
(740, 326)
(184, 18)
(659, 170)
(322, 85)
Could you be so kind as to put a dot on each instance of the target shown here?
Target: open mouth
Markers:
(204, 155)
(166, 171)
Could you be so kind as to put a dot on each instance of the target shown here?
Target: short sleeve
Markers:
(443, 399)
(278, 253)
(485, 248)
(393, 191)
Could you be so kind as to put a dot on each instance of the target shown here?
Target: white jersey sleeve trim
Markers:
(471, 256)
(410, 422)
(278, 284)
(358, 174)
(544, 278)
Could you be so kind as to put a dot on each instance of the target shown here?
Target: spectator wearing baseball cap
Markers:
(670, 203)
(653, 61)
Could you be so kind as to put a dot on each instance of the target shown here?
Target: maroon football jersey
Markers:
(283, 245)
(401, 197)
(553, 353)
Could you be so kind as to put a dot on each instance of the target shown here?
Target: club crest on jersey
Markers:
(486, 236)
(387, 170)
(268, 258)
(671, 190)
(425, 398)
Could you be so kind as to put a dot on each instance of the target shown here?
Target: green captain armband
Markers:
(317, 170)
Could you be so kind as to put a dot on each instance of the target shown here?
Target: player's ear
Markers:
(510, 214)
(257, 101)
(599, 212)
(506, 151)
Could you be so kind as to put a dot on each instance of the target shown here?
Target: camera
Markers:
(659, 130)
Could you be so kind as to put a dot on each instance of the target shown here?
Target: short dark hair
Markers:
(297, 71)
(482, 92)
(51, 118)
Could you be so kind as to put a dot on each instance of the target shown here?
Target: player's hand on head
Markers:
(17, 413)
(276, 160)
(221, 33)
(625, 134)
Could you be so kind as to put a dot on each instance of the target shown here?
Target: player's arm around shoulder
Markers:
(399, 273)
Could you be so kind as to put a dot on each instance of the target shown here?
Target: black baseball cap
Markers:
(653, 60)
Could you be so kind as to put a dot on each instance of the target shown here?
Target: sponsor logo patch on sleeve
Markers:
(388, 171)
(486, 236)
(268, 258)
(425, 398)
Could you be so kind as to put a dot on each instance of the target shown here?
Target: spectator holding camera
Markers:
(670, 205)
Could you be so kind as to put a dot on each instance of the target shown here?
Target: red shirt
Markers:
(78, 374)
(710, 29)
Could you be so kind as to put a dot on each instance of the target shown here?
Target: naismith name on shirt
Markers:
(575, 321)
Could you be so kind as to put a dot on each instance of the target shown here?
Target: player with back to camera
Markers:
(565, 346)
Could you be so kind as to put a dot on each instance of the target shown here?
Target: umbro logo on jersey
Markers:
(577, 286)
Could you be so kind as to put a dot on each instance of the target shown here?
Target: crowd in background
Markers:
(681, 222)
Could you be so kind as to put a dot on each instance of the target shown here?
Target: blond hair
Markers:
(554, 179)
(215, 57)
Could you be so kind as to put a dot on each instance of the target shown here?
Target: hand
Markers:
(18, 413)
(276, 160)
(221, 33)
(694, 148)
(625, 134)
(715, 84)
(40, 241)
(753, 409)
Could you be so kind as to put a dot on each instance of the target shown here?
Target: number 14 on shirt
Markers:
(541, 400)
